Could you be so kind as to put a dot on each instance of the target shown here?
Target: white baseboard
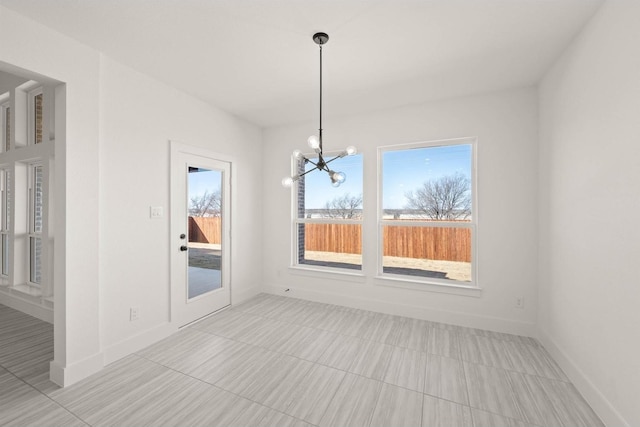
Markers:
(425, 313)
(144, 339)
(598, 401)
(238, 297)
(65, 376)
(32, 309)
(138, 342)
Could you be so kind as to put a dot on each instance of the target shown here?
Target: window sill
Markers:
(352, 275)
(425, 286)
(25, 289)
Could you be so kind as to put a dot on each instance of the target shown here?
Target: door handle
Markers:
(183, 248)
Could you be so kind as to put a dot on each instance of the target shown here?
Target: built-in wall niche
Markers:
(27, 139)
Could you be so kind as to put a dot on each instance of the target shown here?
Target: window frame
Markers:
(296, 221)
(417, 282)
(5, 223)
(32, 234)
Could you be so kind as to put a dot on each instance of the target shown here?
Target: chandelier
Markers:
(315, 142)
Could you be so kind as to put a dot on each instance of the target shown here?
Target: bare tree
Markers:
(445, 198)
(208, 204)
(345, 207)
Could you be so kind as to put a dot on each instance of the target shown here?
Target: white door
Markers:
(200, 233)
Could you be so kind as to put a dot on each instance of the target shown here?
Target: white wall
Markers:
(506, 126)
(590, 200)
(112, 165)
(138, 118)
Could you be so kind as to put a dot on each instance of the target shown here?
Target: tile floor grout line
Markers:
(282, 311)
(381, 380)
(48, 397)
(456, 332)
(334, 395)
(223, 389)
(312, 364)
(285, 354)
(458, 329)
(375, 405)
(466, 386)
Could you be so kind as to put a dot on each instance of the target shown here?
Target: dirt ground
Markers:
(205, 255)
(451, 270)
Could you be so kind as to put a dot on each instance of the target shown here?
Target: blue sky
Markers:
(199, 182)
(404, 170)
(407, 170)
(318, 188)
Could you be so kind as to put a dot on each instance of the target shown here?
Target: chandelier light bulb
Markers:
(351, 150)
(287, 182)
(313, 142)
(337, 178)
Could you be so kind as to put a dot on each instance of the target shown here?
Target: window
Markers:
(27, 120)
(427, 219)
(35, 223)
(5, 119)
(35, 116)
(5, 209)
(328, 220)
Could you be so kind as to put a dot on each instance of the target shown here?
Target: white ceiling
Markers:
(256, 58)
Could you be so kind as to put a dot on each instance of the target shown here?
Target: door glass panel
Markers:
(205, 230)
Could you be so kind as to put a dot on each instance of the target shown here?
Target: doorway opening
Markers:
(30, 129)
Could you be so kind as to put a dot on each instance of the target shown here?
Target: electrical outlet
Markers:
(519, 302)
(134, 313)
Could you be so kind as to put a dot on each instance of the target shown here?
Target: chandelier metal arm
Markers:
(325, 168)
(331, 160)
(310, 170)
(320, 164)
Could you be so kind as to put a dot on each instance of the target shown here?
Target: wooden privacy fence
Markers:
(437, 243)
(205, 229)
(341, 238)
(447, 244)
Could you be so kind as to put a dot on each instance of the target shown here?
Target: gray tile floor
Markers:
(276, 361)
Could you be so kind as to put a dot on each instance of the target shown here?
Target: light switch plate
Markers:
(156, 212)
